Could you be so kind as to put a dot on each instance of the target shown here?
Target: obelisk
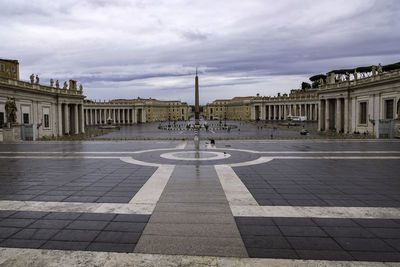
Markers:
(196, 103)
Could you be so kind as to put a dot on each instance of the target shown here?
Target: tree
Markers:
(305, 86)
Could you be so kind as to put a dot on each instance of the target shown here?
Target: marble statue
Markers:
(80, 87)
(32, 77)
(11, 110)
(379, 68)
(347, 76)
(37, 79)
(57, 84)
(51, 82)
(355, 74)
(65, 85)
(373, 70)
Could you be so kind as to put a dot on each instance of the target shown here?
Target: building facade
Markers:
(52, 110)
(255, 108)
(132, 111)
(359, 105)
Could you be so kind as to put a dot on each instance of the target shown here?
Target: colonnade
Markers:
(96, 116)
(282, 111)
(334, 115)
(70, 119)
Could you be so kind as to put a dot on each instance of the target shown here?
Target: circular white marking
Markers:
(195, 155)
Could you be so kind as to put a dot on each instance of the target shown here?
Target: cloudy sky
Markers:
(150, 48)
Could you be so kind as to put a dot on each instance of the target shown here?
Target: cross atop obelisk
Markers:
(196, 103)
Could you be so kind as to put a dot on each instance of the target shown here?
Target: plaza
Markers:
(236, 202)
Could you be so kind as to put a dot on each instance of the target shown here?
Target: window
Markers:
(363, 113)
(3, 68)
(12, 69)
(26, 118)
(389, 106)
(1, 119)
(46, 121)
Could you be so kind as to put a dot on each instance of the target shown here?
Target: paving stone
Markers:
(348, 232)
(50, 224)
(87, 225)
(13, 222)
(126, 227)
(132, 218)
(335, 222)
(6, 213)
(313, 243)
(28, 214)
(335, 255)
(96, 217)
(302, 231)
(185, 218)
(294, 221)
(256, 230)
(75, 235)
(385, 232)
(38, 234)
(6, 232)
(275, 242)
(254, 220)
(62, 216)
(118, 237)
(364, 244)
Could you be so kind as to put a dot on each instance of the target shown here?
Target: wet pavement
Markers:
(299, 199)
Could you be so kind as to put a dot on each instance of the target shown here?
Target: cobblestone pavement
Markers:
(296, 200)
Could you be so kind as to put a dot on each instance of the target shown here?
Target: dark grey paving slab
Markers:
(320, 238)
(72, 231)
(71, 180)
(313, 182)
(192, 222)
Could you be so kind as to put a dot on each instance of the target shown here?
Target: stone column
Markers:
(76, 119)
(82, 118)
(285, 112)
(113, 116)
(128, 115)
(86, 112)
(123, 116)
(338, 115)
(346, 115)
(134, 119)
(95, 116)
(315, 112)
(66, 119)
(327, 119)
(269, 112)
(321, 119)
(60, 121)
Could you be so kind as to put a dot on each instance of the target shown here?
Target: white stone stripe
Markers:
(151, 191)
(47, 257)
(338, 157)
(123, 208)
(235, 191)
(58, 157)
(208, 146)
(330, 152)
(316, 212)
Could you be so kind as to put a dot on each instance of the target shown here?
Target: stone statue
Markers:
(65, 86)
(37, 79)
(32, 77)
(11, 110)
(321, 82)
(51, 82)
(355, 74)
(80, 87)
(347, 76)
(9, 73)
(373, 70)
(57, 84)
(379, 68)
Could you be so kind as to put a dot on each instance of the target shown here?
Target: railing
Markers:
(362, 81)
(39, 87)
